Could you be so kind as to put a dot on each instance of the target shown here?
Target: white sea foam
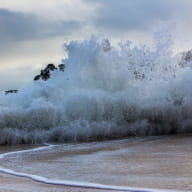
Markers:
(106, 91)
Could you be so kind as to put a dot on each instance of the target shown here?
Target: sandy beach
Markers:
(15, 184)
(156, 162)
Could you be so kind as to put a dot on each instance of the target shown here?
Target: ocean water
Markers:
(106, 93)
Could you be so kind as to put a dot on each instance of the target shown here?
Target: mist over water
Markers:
(105, 92)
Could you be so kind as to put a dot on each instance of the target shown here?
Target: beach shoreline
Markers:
(10, 183)
(147, 163)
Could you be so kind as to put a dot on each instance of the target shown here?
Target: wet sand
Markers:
(16, 184)
(157, 162)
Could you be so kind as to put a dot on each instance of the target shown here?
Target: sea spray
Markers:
(105, 92)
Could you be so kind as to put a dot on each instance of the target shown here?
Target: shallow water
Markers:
(151, 162)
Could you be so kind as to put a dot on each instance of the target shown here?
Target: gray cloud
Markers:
(24, 26)
(125, 15)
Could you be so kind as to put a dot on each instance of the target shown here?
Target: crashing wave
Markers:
(105, 92)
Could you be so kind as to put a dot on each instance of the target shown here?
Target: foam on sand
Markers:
(67, 182)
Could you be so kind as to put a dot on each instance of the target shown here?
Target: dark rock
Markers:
(51, 67)
(61, 67)
(45, 73)
(11, 91)
(37, 77)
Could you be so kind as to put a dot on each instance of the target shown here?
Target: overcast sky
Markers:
(32, 32)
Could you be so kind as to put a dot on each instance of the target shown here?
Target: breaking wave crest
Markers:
(105, 92)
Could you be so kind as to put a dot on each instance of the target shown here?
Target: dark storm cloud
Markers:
(133, 14)
(24, 26)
